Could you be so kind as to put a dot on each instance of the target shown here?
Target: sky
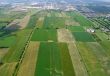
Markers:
(47, 0)
(104, 0)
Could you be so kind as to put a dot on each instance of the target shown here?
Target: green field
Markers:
(101, 54)
(80, 18)
(43, 66)
(32, 21)
(94, 67)
(101, 35)
(76, 28)
(67, 65)
(17, 49)
(54, 22)
(7, 41)
(44, 35)
(83, 37)
(105, 45)
(53, 59)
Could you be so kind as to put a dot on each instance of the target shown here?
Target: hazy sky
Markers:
(105, 0)
(47, 0)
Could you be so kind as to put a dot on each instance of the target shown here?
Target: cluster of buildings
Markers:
(54, 6)
(23, 7)
(44, 5)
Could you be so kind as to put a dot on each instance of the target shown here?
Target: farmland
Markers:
(54, 22)
(49, 35)
(53, 43)
(29, 60)
(83, 21)
(49, 64)
(83, 36)
(91, 62)
(7, 41)
(76, 28)
(55, 61)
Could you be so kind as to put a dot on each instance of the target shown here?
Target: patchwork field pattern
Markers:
(53, 43)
